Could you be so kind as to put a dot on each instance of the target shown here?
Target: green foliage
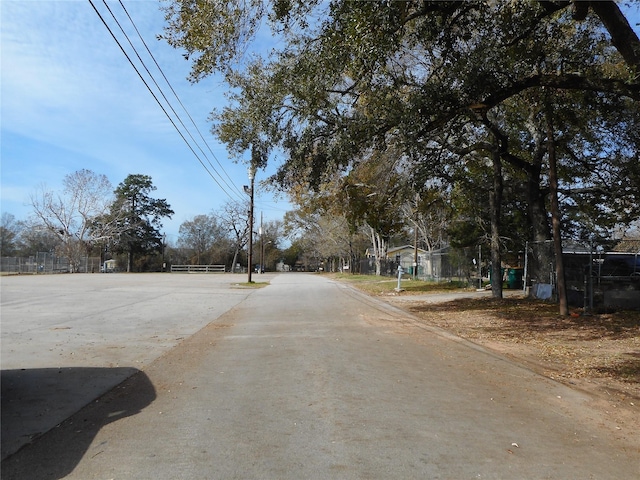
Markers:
(291, 254)
(373, 284)
(139, 217)
(373, 193)
(440, 86)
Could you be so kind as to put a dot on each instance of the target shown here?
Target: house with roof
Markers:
(431, 264)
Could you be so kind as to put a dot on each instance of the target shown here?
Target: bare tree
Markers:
(206, 238)
(9, 233)
(428, 212)
(34, 238)
(71, 214)
(325, 235)
(235, 218)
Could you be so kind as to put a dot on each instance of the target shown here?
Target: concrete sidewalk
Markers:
(442, 297)
(67, 339)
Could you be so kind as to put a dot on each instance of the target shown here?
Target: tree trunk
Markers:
(495, 204)
(555, 215)
(540, 232)
(622, 35)
(379, 249)
(130, 259)
(235, 259)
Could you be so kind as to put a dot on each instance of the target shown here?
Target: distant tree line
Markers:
(221, 238)
(89, 218)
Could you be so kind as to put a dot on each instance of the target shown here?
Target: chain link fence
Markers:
(593, 278)
(437, 266)
(45, 262)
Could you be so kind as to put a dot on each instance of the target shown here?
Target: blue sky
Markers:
(71, 100)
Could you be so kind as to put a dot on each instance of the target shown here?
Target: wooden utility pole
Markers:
(252, 174)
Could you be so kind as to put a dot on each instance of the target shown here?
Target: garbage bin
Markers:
(415, 271)
(514, 278)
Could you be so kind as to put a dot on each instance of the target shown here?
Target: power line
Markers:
(265, 205)
(151, 91)
(179, 101)
(169, 104)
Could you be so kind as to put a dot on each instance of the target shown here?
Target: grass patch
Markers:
(250, 285)
(377, 285)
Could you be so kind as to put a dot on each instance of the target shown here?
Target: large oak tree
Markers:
(442, 82)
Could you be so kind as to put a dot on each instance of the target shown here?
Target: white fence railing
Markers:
(197, 269)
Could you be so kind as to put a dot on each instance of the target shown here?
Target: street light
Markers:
(251, 172)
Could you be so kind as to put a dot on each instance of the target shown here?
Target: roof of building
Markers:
(628, 245)
(404, 247)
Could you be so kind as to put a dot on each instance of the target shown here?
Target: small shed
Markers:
(109, 266)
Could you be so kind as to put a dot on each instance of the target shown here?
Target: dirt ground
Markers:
(598, 353)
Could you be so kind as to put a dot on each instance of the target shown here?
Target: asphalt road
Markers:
(308, 379)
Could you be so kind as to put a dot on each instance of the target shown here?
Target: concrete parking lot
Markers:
(65, 328)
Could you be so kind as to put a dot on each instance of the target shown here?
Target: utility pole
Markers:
(261, 246)
(164, 245)
(251, 173)
(415, 252)
(198, 246)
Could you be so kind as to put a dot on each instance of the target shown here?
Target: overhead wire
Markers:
(179, 101)
(154, 95)
(267, 205)
(167, 100)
